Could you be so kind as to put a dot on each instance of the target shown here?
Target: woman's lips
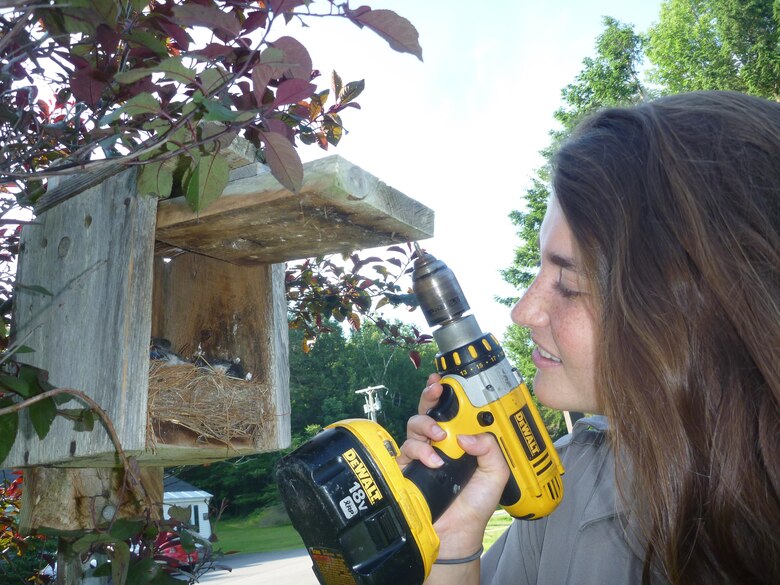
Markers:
(543, 358)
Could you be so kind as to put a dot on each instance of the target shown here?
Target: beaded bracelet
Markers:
(461, 561)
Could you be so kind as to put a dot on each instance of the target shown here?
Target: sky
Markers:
(461, 131)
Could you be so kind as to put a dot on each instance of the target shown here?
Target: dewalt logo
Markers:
(363, 475)
(527, 433)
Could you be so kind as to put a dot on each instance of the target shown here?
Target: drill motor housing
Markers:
(367, 522)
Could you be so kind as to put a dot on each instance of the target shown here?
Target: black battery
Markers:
(346, 513)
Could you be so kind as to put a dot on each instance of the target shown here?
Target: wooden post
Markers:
(93, 253)
(73, 500)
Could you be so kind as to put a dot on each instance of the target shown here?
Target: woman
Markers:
(657, 304)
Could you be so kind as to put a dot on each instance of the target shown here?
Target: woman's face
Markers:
(557, 311)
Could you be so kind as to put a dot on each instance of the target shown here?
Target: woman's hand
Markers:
(461, 528)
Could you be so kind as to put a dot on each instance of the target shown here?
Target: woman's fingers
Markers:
(422, 427)
(431, 394)
(420, 431)
(485, 448)
(419, 451)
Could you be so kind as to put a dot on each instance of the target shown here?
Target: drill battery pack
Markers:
(346, 496)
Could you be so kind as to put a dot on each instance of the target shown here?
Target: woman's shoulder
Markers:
(589, 432)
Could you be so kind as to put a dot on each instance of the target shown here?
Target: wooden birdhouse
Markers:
(123, 268)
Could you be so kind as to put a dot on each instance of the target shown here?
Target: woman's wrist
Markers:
(461, 560)
(459, 544)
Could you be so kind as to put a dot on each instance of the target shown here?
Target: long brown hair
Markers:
(675, 205)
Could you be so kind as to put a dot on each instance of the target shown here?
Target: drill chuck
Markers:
(443, 303)
(438, 292)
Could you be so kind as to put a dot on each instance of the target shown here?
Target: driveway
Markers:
(287, 566)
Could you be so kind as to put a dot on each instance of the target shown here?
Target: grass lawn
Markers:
(246, 535)
(495, 528)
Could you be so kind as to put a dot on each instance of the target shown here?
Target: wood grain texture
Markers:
(340, 208)
(227, 312)
(69, 501)
(94, 253)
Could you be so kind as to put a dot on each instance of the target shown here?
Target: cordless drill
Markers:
(364, 520)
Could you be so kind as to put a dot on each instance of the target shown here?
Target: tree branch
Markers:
(94, 406)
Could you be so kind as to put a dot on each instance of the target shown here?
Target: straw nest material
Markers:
(210, 404)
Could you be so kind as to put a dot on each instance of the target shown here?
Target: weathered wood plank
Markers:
(340, 208)
(70, 501)
(94, 252)
(227, 312)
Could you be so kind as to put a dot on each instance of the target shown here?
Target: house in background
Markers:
(179, 493)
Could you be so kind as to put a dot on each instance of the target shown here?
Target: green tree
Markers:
(716, 44)
(244, 484)
(523, 270)
(320, 390)
(374, 362)
(610, 78)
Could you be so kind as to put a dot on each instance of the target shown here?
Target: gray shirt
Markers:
(584, 541)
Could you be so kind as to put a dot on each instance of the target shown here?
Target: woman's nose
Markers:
(529, 310)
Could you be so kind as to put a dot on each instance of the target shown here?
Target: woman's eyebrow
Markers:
(563, 261)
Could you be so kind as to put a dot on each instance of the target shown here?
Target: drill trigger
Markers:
(447, 407)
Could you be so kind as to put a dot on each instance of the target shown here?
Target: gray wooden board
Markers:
(94, 253)
(340, 208)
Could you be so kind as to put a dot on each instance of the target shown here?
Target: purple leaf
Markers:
(279, 6)
(261, 75)
(283, 160)
(214, 51)
(296, 56)
(210, 17)
(87, 86)
(395, 29)
(107, 38)
(176, 32)
(415, 357)
(279, 127)
(255, 20)
(292, 91)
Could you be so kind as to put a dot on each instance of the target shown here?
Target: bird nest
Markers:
(204, 404)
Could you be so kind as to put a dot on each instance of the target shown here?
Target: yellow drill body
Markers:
(367, 522)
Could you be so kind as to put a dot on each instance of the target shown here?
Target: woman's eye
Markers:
(564, 289)
(566, 292)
